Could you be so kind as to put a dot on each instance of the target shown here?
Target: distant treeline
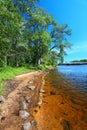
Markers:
(82, 60)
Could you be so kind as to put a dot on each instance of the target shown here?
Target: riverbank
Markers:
(63, 107)
(34, 100)
(21, 95)
(8, 73)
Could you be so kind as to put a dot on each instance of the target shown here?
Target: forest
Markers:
(30, 36)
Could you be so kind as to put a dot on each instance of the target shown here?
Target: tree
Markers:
(29, 35)
(9, 28)
(59, 40)
(54, 58)
(63, 50)
(59, 34)
(36, 32)
(24, 6)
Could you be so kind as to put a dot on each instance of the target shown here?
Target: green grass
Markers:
(9, 73)
(43, 67)
(1, 88)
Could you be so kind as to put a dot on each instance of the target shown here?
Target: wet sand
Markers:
(64, 107)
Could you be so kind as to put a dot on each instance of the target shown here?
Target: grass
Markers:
(42, 67)
(9, 73)
(1, 88)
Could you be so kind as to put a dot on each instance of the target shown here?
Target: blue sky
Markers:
(74, 13)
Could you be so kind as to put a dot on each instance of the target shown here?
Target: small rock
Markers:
(52, 93)
(2, 99)
(65, 124)
(31, 87)
(20, 91)
(27, 126)
(42, 91)
(35, 111)
(40, 102)
(27, 99)
(41, 94)
(31, 82)
(23, 105)
(33, 123)
(23, 114)
(43, 82)
(1, 117)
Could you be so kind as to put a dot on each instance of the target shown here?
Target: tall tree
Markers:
(59, 40)
(9, 27)
(63, 47)
(36, 30)
(59, 34)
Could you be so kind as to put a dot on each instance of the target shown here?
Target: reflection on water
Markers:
(58, 80)
(74, 96)
(77, 75)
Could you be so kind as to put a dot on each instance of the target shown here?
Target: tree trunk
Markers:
(16, 61)
(62, 59)
(39, 62)
(5, 61)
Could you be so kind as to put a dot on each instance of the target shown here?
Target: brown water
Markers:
(64, 105)
(57, 81)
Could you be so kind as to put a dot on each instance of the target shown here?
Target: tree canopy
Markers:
(30, 35)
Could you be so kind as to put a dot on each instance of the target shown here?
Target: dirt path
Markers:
(24, 88)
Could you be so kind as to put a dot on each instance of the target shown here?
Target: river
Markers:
(71, 85)
(64, 104)
(75, 74)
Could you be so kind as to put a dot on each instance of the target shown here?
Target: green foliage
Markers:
(9, 73)
(29, 36)
(9, 28)
(82, 60)
(62, 50)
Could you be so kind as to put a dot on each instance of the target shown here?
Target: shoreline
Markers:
(62, 108)
(26, 85)
(51, 109)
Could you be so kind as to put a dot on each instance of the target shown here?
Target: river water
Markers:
(69, 99)
(75, 74)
